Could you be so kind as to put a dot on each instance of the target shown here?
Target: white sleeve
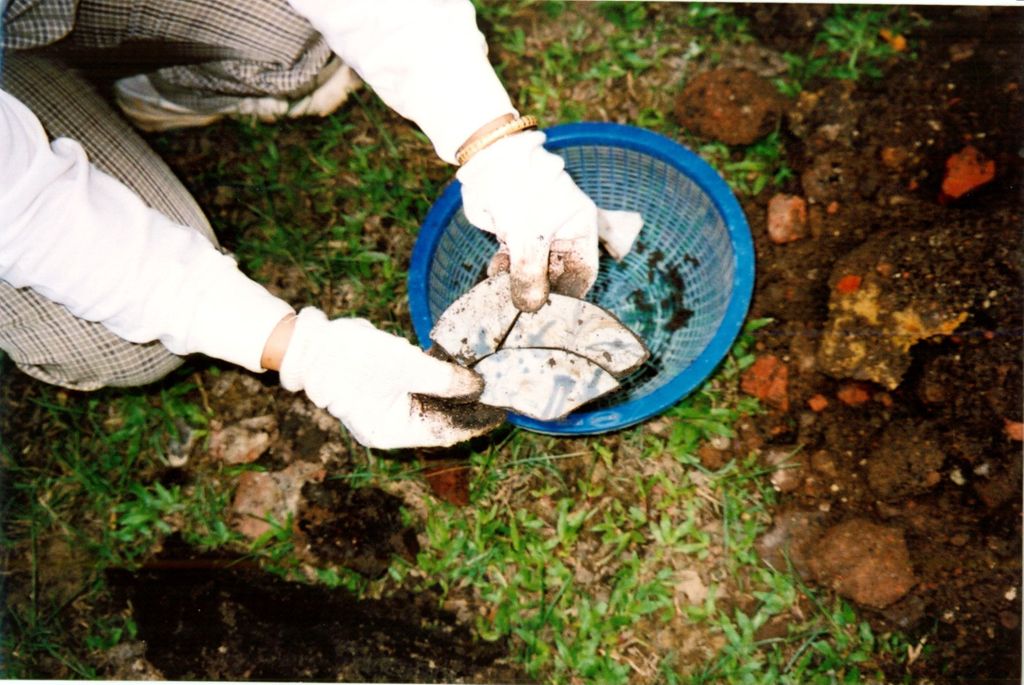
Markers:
(425, 58)
(81, 238)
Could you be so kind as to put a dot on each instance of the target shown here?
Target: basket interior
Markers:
(672, 289)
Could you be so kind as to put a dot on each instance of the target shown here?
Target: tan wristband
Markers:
(484, 138)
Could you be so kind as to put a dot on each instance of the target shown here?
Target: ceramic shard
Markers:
(475, 324)
(582, 328)
(540, 383)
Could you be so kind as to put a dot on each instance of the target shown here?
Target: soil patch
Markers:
(208, 619)
(896, 346)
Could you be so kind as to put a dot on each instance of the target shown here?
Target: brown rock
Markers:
(824, 463)
(261, 496)
(734, 106)
(789, 468)
(449, 481)
(874, 321)
(827, 178)
(768, 380)
(243, 442)
(864, 562)
(787, 218)
(853, 394)
(711, 458)
(790, 538)
(258, 495)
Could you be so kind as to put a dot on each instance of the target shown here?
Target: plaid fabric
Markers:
(245, 48)
(226, 50)
(41, 337)
(32, 23)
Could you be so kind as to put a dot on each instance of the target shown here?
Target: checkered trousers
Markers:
(244, 47)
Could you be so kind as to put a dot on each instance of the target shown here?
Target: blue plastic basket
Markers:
(684, 288)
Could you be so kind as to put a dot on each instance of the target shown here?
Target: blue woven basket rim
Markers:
(672, 153)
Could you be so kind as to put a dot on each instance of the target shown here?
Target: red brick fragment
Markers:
(449, 482)
(848, 284)
(853, 394)
(818, 403)
(965, 171)
(768, 380)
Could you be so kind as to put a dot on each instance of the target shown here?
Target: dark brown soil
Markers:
(215, 621)
(930, 457)
(358, 528)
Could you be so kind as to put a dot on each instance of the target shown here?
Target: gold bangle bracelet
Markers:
(471, 147)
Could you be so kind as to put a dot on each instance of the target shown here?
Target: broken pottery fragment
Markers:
(542, 384)
(476, 323)
(565, 323)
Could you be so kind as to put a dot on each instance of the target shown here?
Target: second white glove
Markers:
(370, 379)
(547, 227)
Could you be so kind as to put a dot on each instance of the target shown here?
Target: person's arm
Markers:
(82, 239)
(428, 61)
(425, 58)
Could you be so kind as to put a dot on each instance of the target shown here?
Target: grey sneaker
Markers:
(143, 104)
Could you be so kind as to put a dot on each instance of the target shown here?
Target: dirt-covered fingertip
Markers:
(529, 295)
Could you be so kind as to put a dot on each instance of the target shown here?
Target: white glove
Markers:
(547, 227)
(370, 380)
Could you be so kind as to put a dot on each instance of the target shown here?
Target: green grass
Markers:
(89, 484)
(850, 46)
(750, 169)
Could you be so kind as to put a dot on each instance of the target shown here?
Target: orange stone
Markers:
(767, 379)
(853, 394)
(848, 284)
(893, 157)
(965, 171)
(1014, 430)
(818, 403)
(895, 40)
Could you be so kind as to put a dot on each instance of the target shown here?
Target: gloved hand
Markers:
(369, 380)
(547, 227)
